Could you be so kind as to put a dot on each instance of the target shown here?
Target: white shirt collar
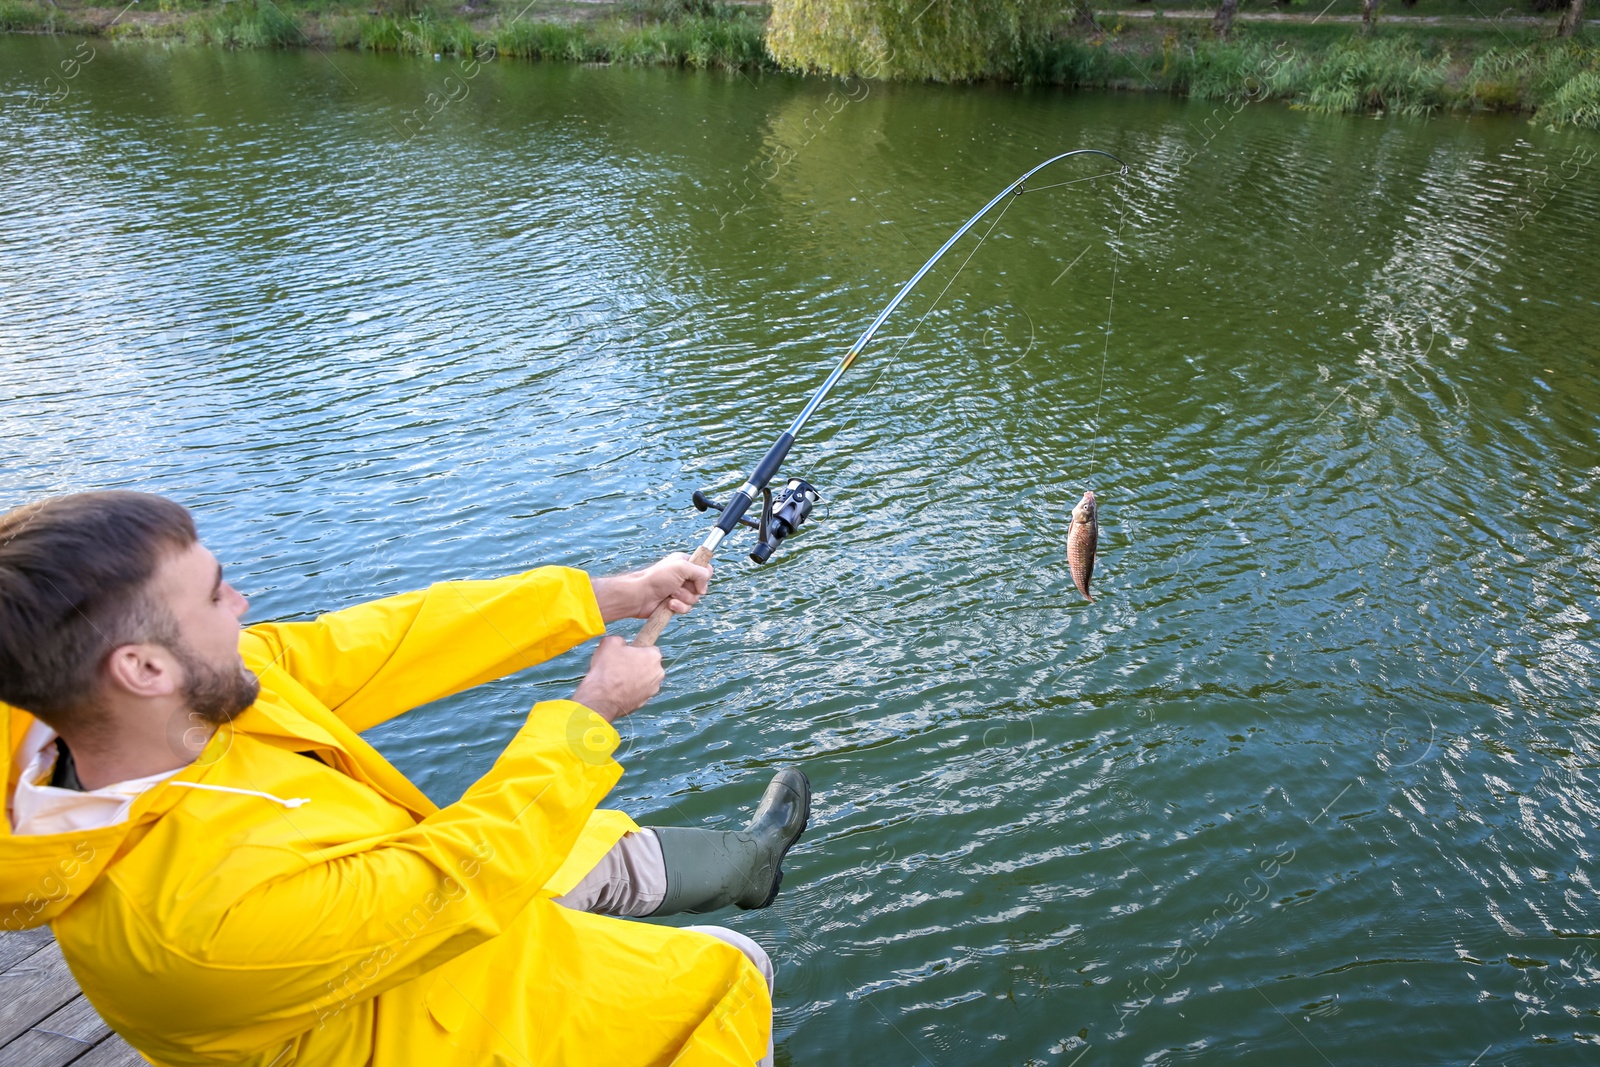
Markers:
(40, 808)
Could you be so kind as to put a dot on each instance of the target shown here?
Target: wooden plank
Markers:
(16, 947)
(32, 990)
(56, 1041)
(112, 1052)
(45, 1020)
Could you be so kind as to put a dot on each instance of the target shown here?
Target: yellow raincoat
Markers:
(329, 914)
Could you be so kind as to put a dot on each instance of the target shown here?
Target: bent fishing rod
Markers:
(783, 515)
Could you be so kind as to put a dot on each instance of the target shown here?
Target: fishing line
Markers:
(1105, 355)
(895, 355)
(1075, 181)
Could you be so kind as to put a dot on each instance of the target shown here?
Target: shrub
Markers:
(1576, 103)
(249, 24)
(20, 15)
(1386, 75)
(538, 40)
(344, 31)
(382, 33)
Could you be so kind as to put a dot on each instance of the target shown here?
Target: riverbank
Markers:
(666, 32)
(1411, 65)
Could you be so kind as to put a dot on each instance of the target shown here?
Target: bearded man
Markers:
(236, 877)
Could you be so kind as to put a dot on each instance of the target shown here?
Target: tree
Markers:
(943, 40)
(1571, 19)
(1222, 25)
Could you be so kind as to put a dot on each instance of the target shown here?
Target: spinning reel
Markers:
(780, 517)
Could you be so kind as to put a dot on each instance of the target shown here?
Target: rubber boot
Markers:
(710, 869)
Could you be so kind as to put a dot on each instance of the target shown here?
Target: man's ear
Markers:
(142, 671)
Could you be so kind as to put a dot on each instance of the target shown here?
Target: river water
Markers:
(1313, 781)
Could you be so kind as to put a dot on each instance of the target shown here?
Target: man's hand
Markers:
(620, 679)
(636, 596)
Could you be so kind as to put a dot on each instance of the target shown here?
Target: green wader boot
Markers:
(710, 869)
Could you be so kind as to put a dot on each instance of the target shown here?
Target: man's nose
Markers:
(240, 604)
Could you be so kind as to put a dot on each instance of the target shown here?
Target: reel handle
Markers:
(662, 615)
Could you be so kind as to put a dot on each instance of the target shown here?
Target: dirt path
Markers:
(1385, 19)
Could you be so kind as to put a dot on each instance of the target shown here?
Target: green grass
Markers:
(21, 16)
(249, 24)
(1575, 103)
(27, 16)
(1337, 71)
(726, 41)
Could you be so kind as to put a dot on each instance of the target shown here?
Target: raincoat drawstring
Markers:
(292, 802)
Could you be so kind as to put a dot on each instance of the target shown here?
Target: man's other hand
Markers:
(620, 679)
(674, 580)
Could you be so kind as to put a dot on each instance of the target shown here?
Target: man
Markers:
(236, 877)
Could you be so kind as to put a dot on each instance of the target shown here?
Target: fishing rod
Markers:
(783, 515)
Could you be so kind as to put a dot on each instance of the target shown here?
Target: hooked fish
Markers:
(1081, 539)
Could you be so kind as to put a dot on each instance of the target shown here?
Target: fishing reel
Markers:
(781, 516)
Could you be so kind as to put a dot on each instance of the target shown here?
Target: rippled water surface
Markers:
(1314, 781)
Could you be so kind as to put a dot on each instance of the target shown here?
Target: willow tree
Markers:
(943, 40)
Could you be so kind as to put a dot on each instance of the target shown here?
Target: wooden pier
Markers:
(45, 1021)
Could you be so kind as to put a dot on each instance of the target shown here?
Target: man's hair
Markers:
(74, 578)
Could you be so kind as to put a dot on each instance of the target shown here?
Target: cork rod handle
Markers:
(658, 620)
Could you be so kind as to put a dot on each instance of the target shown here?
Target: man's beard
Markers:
(216, 694)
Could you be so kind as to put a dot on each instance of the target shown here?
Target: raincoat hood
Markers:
(42, 875)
